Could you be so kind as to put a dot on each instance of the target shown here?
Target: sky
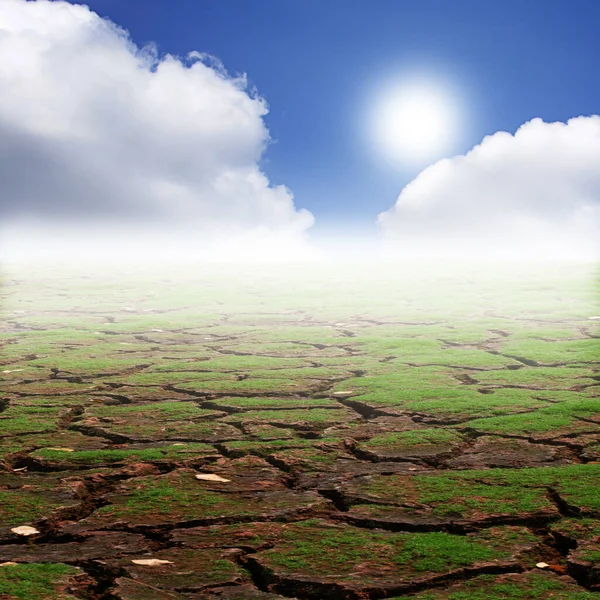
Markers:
(318, 62)
(283, 139)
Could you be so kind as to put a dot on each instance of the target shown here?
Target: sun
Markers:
(414, 123)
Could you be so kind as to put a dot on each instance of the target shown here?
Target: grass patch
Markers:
(553, 418)
(526, 586)
(18, 506)
(409, 439)
(35, 581)
(110, 456)
(354, 553)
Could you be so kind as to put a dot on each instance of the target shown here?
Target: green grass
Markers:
(161, 498)
(35, 581)
(260, 403)
(591, 556)
(409, 439)
(452, 400)
(528, 586)
(109, 456)
(17, 420)
(558, 351)
(316, 550)
(154, 429)
(233, 363)
(439, 551)
(579, 529)
(178, 496)
(496, 491)
(18, 507)
(540, 377)
(159, 410)
(453, 496)
(545, 420)
(264, 448)
(316, 416)
(81, 363)
(307, 459)
(272, 383)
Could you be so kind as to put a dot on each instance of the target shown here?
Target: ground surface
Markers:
(368, 432)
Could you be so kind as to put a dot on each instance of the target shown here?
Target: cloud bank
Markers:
(534, 193)
(93, 129)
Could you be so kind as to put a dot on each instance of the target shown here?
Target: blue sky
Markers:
(317, 62)
(95, 135)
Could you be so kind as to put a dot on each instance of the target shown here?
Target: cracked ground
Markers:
(328, 432)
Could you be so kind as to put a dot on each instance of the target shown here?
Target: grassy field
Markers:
(371, 431)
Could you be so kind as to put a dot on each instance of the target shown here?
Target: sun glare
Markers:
(414, 123)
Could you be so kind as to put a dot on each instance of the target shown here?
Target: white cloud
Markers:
(92, 127)
(534, 192)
